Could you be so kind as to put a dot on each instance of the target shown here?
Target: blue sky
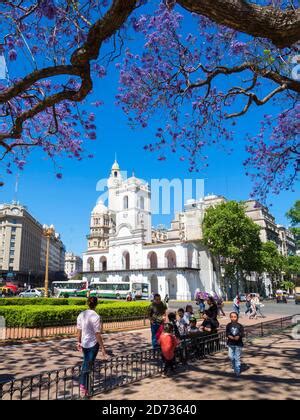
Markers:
(67, 203)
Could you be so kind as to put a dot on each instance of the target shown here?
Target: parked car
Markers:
(30, 293)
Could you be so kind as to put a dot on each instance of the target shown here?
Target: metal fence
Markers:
(124, 370)
(106, 375)
(48, 330)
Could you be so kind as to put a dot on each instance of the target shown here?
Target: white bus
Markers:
(68, 288)
(116, 290)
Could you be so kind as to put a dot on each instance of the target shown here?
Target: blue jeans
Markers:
(234, 353)
(89, 357)
(201, 307)
(236, 309)
(154, 328)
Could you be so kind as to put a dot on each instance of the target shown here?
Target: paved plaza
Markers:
(33, 358)
(273, 372)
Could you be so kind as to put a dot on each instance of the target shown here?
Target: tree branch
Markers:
(282, 27)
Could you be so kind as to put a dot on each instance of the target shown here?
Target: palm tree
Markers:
(288, 285)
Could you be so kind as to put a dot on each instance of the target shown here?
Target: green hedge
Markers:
(38, 315)
(44, 301)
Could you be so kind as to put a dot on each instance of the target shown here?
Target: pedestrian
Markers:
(209, 325)
(253, 313)
(168, 343)
(89, 340)
(151, 297)
(201, 307)
(236, 304)
(258, 305)
(248, 304)
(188, 313)
(182, 324)
(235, 334)
(166, 299)
(129, 297)
(212, 308)
(220, 304)
(156, 312)
(133, 295)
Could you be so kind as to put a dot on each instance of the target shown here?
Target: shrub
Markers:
(44, 301)
(39, 315)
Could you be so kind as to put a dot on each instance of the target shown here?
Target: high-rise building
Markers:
(23, 247)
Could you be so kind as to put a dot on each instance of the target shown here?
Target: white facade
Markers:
(123, 246)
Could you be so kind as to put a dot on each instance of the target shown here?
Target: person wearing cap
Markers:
(192, 328)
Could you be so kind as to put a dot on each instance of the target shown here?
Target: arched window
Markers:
(90, 264)
(126, 260)
(116, 174)
(152, 260)
(170, 259)
(142, 203)
(103, 264)
(125, 202)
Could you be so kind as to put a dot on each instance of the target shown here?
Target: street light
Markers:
(48, 232)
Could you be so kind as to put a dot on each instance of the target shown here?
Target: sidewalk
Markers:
(33, 358)
(274, 373)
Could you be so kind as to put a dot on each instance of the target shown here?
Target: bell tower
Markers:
(114, 183)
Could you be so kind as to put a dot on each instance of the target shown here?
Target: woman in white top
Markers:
(89, 341)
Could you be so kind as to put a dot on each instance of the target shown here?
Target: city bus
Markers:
(67, 288)
(115, 290)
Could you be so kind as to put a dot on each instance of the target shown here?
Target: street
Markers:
(270, 307)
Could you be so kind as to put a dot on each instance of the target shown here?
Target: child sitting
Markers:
(192, 328)
(168, 343)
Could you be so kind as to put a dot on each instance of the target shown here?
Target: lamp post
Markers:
(48, 232)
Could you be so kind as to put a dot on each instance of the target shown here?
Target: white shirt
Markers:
(89, 323)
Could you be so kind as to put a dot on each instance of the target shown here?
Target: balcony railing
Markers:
(141, 267)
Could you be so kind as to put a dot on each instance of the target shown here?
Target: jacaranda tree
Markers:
(203, 64)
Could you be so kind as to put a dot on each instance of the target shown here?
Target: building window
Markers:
(170, 259)
(116, 174)
(125, 202)
(142, 203)
(103, 264)
(152, 260)
(126, 260)
(13, 229)
(91, 264)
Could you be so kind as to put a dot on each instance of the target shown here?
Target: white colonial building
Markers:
(124, 247)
